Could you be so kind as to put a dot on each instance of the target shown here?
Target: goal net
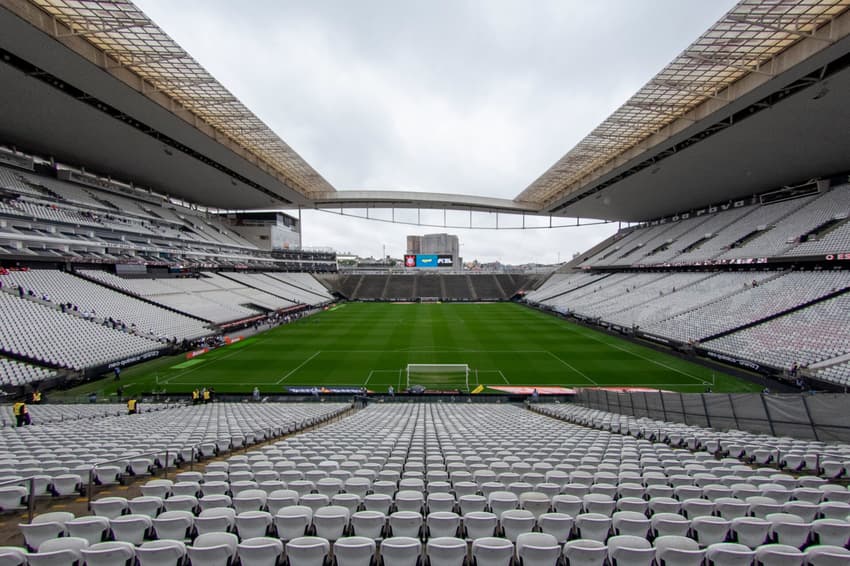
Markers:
(438, 376)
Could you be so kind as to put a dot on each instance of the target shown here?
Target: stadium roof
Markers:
(97, 84)
(132, 41)
(744, 42)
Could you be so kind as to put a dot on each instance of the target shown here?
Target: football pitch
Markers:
(371, 344)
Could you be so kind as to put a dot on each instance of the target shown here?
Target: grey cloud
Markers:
(462, 96)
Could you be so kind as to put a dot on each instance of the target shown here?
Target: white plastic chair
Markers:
(674, 550)
(354, 551)
(442, 524)
(515, 522)
(729, 554)
(12, 556)
(750, 531)
(173, 525)
(491, 551)
(779, 555)
(253, 524)
(44, 527)
(710, 530)
(331, 522)
(260, 551)
(400, 551)
(480, 524)
(63, 551)
(405, 524)
(109, 554)
(292, 522)
(537, 549)
(213, 549)
(446, 551)
(109, 507)
(130, 528)
(827, 555)
(89, 527)
(585, 552)
(594, 526)
(630, 523)
(166, 552)
(626, 550)
(307, 551)
(832, 531)
(789, 529)
(217, 520)
(559, 525)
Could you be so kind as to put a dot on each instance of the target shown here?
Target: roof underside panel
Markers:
(744, 42)
(127, 36)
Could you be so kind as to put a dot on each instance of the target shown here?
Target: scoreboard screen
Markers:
(428, 261)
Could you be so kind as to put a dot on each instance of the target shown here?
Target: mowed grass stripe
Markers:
(506, 342)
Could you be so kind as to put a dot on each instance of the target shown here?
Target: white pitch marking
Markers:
(301, 365)
(581, 373)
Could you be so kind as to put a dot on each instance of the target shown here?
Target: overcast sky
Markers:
(457, 96)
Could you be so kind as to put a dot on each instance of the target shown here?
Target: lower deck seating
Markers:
(513, 483)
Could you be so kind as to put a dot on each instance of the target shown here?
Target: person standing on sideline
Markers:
(256, 394)
(117, 372)
(391, 391)
(132, 406)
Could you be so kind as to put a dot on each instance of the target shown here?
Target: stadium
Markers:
(186, 382)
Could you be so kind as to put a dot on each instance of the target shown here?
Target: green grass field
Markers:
(370, 344)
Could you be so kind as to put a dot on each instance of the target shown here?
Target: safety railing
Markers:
(30, 493)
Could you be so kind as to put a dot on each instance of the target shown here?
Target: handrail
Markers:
(96, 465)
(30, 494)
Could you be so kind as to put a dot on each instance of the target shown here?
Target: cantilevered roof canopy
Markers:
(130, 40)
(746, 42)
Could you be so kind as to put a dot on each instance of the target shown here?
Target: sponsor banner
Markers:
(529, 390)
(229, 340)
(426, 260)
(196, 353)
(410, 260)
(733, 360)
(135, 359)
(629, 389)
(445, 261)
(308, 390)
(838, 257)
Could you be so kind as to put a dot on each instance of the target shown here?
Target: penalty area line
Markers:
(581, 373)
(299, 366)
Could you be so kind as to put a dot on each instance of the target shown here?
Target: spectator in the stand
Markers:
(22, 414)
(133, 406)
(20, 291)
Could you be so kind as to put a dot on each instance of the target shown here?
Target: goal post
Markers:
(438, 376)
